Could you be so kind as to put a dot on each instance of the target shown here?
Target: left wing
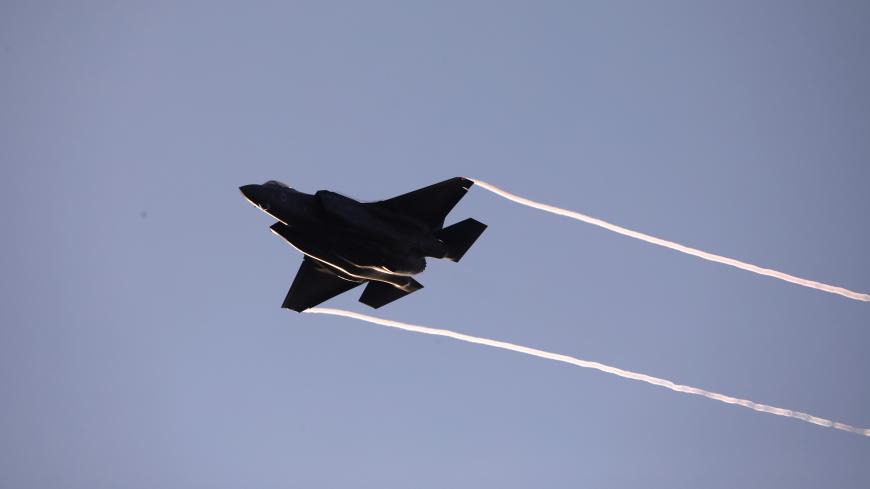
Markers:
(314, 283)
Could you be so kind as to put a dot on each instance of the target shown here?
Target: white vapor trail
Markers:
(667, 384)
(675, 246)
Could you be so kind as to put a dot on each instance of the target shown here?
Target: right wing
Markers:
(314, 283)
(429, 204)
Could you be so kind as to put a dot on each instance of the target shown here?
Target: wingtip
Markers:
(293, 308)
(466, 182)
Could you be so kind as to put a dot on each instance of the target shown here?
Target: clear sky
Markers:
(142, 342)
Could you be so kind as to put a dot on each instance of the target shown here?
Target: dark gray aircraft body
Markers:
(347, 243)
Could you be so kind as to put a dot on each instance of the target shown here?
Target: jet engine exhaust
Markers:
(675, 246)
(764, 408)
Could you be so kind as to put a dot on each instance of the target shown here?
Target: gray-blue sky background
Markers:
(152, 352)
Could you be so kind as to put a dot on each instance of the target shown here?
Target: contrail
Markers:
(667, 384)
(675, 246)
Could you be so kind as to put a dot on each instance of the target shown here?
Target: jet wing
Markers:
(314, 283)
(429, 204)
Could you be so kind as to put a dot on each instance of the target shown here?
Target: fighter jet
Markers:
(347, 243)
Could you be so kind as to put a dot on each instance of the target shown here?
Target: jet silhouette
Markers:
(347, 243)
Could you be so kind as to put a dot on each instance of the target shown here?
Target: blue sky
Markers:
(142, 342)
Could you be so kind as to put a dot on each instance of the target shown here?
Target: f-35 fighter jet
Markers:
(347, 243)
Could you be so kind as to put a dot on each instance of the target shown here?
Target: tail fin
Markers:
(460, 236)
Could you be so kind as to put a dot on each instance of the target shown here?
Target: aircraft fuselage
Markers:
(356, 241)
(347, 243)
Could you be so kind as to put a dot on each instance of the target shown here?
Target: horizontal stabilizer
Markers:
(460, 236)
(377, 294)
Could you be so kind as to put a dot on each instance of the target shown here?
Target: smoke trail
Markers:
(667, 384)
(675, 246)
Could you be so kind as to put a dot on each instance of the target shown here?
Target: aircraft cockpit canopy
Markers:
(275, 183)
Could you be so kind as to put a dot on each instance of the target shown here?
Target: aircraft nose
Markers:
(248, 191)
(255, 195)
